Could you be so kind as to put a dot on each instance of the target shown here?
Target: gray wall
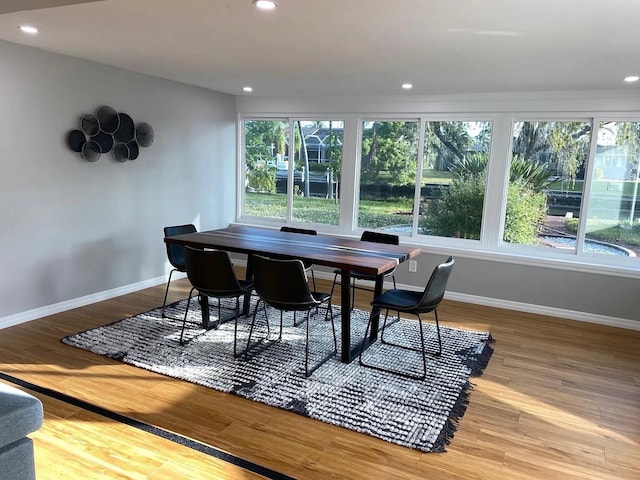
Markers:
(71, 228)
(581, 295)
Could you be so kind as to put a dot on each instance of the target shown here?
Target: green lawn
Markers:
(381, 214)
(372, 214)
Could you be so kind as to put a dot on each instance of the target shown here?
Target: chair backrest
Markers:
(175, 253)
(377, 237)
(303, 231)
(282, 283)
(437, 285)
(211, 272)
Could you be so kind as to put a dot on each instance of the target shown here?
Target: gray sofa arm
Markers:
(20, 415)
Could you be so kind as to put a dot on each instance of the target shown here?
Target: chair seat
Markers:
(366, 276)
(245, 286)
(402, 300)
(321, 296)
(371, 276)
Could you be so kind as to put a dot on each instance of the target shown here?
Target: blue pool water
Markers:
(589, 246)
(563, 242)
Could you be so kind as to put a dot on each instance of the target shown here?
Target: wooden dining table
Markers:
(346, 254)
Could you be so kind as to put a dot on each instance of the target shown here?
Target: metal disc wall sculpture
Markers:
(106, 131)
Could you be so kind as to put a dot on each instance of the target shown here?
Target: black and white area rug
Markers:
(417, 414)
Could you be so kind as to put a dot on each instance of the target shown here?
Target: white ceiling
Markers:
(347, 47)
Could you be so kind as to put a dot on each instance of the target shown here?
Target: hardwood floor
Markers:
(559, 400)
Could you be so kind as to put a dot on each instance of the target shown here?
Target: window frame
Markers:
(491, 245)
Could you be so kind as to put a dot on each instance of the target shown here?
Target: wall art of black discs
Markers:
(108, 119)
(89, 124)
(121, 152)
(133, 150)
(126, 130)
(105, 141)
(76, 140)
(107, 130)
(144, 134)
(91, 151)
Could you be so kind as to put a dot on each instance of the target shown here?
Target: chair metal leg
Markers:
(313, 279)
(253, 322)
(235, 328)
(421, 350)
(184, 321)
(435, 313)
(424, 354)
(166, 292)
(333, 285)
(333, 326)
(308, 371)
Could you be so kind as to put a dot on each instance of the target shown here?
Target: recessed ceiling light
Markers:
(407, 86)
(248, 89)
(28, 29)
(265, 4)
(631, 78)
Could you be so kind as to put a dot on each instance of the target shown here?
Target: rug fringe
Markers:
(451, 425)
(477, 365)
(480, 362)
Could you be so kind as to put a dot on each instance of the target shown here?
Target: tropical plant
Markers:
(389, 153)
(262, 178)
(526, 213)
(458, 213)
(537, 176)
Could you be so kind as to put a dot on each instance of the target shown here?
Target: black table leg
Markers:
(206, 316)
(349, 353)
(204, 308)
(246, 304)
(375, 313)
(345, 315)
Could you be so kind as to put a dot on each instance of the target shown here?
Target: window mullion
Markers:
(292, 168)
(418, 186)
(349, 181)
(495, 202)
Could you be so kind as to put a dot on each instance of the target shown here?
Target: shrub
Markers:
(526, 212)
(458, 213)
(262, 179)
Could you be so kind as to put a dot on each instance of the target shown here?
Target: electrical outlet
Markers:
(413, 266)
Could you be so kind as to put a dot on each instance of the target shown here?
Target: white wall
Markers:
(72, 229)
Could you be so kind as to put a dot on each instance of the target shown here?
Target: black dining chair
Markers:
(307, 263)
(283, 285)
(368, 236)
(175, 254)
(211, 273)
(415, 303)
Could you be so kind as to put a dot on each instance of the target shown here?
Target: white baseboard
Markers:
(544, 310)
(521, 307)
(36, 313)
(461, 297)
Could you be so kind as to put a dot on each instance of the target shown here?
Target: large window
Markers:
(562, 187)
(266, 168)
(388, 165)
(318, 162)
(295, 180)
(546, 183)
(614, 209)
(454, 178)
